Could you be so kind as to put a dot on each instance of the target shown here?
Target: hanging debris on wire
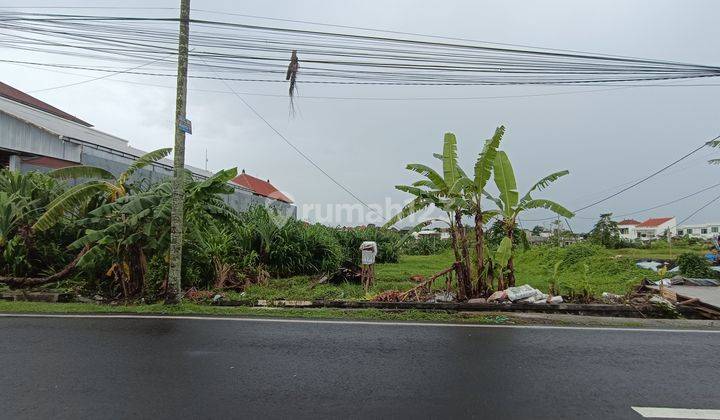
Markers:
(291, 75)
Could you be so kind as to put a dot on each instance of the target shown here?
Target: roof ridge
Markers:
(16, 95)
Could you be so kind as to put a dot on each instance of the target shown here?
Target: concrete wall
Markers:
(20, 136)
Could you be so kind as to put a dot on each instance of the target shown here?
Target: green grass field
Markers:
(581, 266)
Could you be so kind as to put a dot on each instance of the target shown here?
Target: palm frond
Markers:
(450, 171)
(495, 200)
(486, 159)
(414, 206)
(72, 198)
(544, 183)
(417, 192)
(429, 173)
(424, 183)
(143, 161)
(81, 172)
(505, 181)
(549, 205)
(463, 183)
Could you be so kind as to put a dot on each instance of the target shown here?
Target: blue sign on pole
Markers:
(185, 125)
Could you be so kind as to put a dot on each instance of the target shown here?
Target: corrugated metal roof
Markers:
(72, 131)
(60, 126)
(7, 91)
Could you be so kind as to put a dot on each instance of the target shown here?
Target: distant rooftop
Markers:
(651, 223)
(260, 187)
(9, 92)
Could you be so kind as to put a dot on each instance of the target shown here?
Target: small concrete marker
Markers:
(677, 413)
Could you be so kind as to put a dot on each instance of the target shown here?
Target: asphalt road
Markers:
(184, 368)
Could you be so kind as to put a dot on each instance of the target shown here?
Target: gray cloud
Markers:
(605, 138)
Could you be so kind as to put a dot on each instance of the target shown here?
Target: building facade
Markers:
(656, 228)
(703, 230)
(627, 229)
(35, 136)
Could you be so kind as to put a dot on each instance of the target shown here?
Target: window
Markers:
(680, 232)
(689, 231)
(703, 231)
(714, 229)
(624, 231)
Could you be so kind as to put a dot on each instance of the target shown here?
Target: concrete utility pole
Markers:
(178, 193)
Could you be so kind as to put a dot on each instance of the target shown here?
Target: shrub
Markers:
(425, 246)
(580, 251)
(387, 241)
(693, 265)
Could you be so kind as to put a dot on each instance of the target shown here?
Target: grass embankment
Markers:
(579, 266)
(207, 310)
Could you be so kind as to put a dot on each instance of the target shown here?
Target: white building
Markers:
(656, 228)
(627, 229)
(431, 234)
(703, 230)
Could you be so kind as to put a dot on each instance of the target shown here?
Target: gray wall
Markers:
(18, 135)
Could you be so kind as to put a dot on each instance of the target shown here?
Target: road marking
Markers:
(346, 322)
(677, 413)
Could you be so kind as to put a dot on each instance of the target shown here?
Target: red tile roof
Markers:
(629, 222)
(9, 92)
(651, 223)
(260, 187)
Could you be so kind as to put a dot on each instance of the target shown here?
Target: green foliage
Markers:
(100, 187)
(424, 245)
(580, 268)
(388, 242)
(497, 231)
(155, 276)
(606, 232)
(292, 248)
(24, 197)
(694, 265)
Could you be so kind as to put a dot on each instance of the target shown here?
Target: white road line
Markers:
(677, 413)
(349, 322)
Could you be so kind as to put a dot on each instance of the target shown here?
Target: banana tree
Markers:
(100, 183)
(511, 205)
(473, 190)
(497, 263)
(443, 192)
(124, 231)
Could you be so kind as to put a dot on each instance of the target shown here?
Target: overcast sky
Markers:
(605, 138)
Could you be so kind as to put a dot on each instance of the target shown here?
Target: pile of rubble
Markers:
(523, 294)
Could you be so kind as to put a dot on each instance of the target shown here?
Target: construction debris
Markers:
(611, 297)
(443, 297)
(499, 296)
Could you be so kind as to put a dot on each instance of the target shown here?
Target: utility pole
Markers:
(178, 193)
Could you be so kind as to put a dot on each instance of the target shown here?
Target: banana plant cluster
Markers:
(461, 196)
(123, 233)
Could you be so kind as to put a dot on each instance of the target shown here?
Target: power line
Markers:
(699, 210)
(634, 184)
(301, 153)
(669, 202)
(336, 58)
(96, 78)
